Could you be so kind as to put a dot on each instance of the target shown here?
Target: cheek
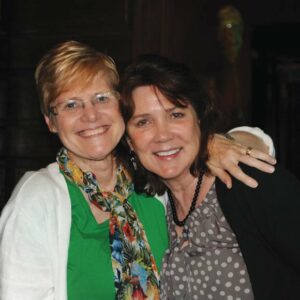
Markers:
(139, 144)
(116, 115)
(145, 157)
(133, 136)
(192, 136)
(64, 126)
(121, 129)
(118, 120)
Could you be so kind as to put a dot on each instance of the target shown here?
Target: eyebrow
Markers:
(143, 115)
(79, 98)
(103, 93)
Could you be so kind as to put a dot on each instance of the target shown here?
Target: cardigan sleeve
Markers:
(24, 250)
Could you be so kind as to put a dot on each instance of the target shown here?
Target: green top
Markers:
(89, 269)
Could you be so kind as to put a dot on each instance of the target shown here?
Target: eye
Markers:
(141, 122)
(71, 105)
(102, 98)
(177, 115)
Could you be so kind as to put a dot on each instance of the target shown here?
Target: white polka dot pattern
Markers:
(210, 264)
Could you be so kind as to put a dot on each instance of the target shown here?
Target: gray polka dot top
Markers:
(205, 262)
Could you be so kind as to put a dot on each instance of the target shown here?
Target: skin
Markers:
(157, 135)
(228, 154)
(91, 136)
(166, 140)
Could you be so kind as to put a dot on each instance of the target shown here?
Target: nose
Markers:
(89, 112)
(163, 132)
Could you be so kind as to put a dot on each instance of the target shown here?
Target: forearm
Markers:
(226, 154)
(253, 137)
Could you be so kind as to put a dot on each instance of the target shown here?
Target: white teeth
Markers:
(166, 153)
(90, 132)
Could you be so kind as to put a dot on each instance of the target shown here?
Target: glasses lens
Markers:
(103, 99)
(75, 106)
(71, 106)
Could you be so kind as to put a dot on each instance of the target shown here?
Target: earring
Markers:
(132, 160)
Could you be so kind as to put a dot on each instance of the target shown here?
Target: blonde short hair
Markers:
(70, 63)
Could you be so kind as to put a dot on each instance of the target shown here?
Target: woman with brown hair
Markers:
(237, 243)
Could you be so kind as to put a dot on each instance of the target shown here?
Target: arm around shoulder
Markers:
(255, 137)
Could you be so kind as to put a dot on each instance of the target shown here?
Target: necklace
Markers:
(193, 204)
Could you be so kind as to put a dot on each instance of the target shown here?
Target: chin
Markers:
(94, 156)
(167, 175)
(99, 153)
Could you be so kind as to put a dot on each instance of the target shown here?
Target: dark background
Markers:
(266, 73)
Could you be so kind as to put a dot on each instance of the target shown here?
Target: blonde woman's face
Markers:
(91, 132)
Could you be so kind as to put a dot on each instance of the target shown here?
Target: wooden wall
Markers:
(183, 30)
(27, 30)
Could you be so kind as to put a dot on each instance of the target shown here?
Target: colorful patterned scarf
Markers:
(134, 268)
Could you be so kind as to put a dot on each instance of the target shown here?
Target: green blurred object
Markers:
(230, 31)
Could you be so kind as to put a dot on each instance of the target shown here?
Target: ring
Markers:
(248, 151)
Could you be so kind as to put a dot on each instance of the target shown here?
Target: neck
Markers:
(104, 170)
(183, 191)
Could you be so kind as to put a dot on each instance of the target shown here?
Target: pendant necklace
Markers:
(193, 204)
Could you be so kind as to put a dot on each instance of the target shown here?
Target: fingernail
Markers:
(254, 184)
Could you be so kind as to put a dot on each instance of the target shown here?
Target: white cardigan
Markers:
(34, 236)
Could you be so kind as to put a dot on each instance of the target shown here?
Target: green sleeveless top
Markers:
(89, 269)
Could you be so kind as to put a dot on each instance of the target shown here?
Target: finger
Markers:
(241, 149)
(256, 163)
(263, 156)
(239, 174)
(222, 175)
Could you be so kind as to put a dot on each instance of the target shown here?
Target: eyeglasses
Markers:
(76, 106)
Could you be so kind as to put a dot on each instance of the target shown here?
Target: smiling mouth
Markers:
(93, 132)
(167, 153)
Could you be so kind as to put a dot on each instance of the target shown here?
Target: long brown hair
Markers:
(178, 84)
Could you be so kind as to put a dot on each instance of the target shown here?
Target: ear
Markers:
(50, 123)
(128, 140)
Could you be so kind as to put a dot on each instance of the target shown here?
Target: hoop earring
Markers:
(133, 160)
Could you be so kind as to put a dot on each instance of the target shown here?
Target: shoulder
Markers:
(37, 188)
(145, 201)
(275, 192)
(279, 180)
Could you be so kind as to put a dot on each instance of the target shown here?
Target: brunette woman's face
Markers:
(165, 137)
